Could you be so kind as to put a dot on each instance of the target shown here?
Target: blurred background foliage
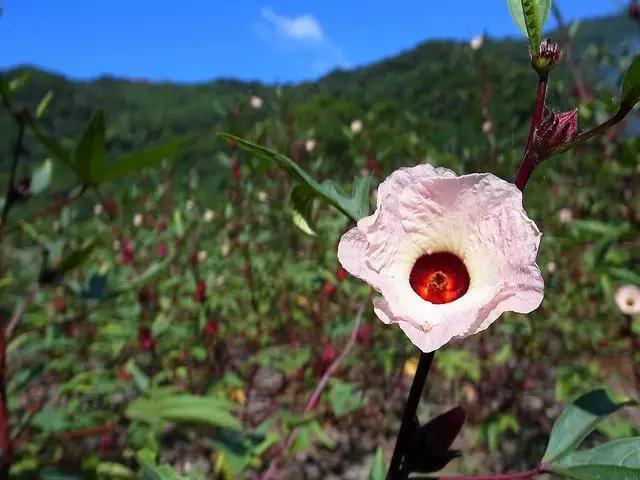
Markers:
(198, 319)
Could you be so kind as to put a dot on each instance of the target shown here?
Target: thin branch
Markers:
(504, 476)
(313, 399)
(21, 310)
(397, 467)
(531, 157)
(9, 199)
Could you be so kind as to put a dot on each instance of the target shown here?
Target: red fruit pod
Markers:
(211, 328)
(162, 250)
(328, 289)
(364, 335)
(111, 207)
(328, 354)
(60, 304)
(145, 340)
(341, 274)
(201, 291)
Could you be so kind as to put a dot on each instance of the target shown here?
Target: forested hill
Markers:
(434, 88)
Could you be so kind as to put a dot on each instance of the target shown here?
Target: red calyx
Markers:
(328, 289)
(341, 274)
(111, 207)
(145, 340)
(201, 291)
(211, 328)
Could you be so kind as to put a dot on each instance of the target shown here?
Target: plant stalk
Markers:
(397, 468)
(531, 158)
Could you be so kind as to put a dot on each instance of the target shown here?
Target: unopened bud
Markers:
(547, 57)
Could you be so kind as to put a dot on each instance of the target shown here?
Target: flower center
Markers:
(439, 277)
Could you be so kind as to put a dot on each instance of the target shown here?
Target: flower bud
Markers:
(547, 57)
(556, 130)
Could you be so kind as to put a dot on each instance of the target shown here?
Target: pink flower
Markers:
(448, 254)
(627, 298)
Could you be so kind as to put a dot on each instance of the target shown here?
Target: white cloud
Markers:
(302, 40)
(304, 27)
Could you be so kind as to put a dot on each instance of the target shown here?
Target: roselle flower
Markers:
(310, 145)
(256, 102)
(477, 42)
(627, 298)
(448, 254)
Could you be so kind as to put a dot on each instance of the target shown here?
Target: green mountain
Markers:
(437, 88)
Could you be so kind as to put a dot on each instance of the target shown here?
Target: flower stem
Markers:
(531, 158)
(504, 476)
(397, 469)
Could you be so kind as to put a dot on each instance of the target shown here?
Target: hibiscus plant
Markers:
(448, 254)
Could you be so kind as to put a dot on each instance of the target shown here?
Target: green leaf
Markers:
(530, 16)
(76, 258)
(57, 151)
(378, 469)
(149, 470)
(41, 177)
(631, 85)
(355, 207)
(344, 398)
(90, 152)
(135, 162)
(43, 104)
(577, 421)
(160, 407)
(302, 200)
(616, 460)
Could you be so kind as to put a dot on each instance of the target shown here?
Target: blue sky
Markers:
(268, 40)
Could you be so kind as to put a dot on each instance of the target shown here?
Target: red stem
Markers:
(531, 157)
(504, 476)
(6, 447)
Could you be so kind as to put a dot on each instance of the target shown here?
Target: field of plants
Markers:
(174, 307)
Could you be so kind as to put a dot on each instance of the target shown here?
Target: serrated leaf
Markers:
(135, 162)
(355, 207)
(90, 152)
(631, 85)
(378, 468)
(530, 16)
(41, 177)
(615, 460)
(577, 421)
